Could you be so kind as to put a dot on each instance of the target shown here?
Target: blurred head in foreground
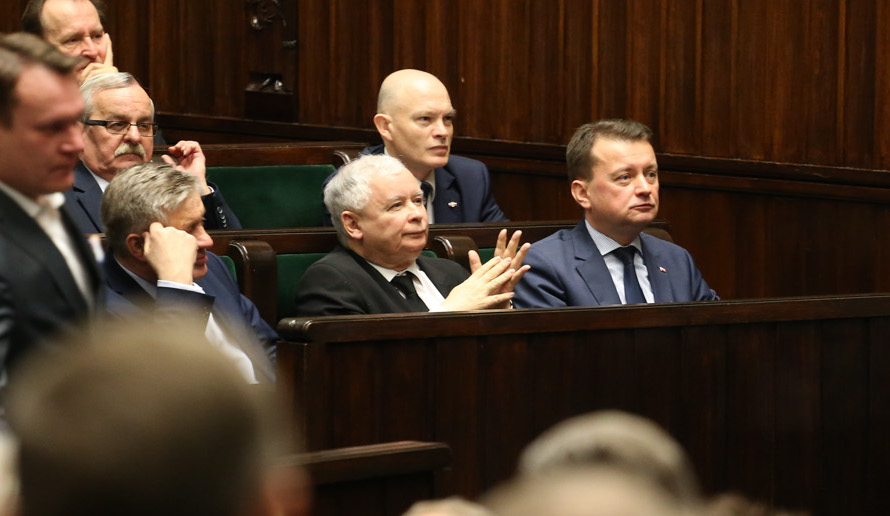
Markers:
(454, 506)
(615, 439)
(138, 421)
(584, 491)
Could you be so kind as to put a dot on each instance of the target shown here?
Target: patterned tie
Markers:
(633, 294)
(405, 284)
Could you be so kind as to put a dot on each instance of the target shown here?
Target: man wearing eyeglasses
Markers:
(118, 132)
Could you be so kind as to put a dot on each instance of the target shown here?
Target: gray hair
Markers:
(143, 194)
(350, 188)
(580, 160)
(108, 81)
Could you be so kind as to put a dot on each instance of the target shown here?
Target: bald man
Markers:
(415, 120)
(76, 28)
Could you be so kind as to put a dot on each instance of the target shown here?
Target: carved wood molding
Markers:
(263, 13)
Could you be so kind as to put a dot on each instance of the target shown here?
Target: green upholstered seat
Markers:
(291, 268)
(273, 196)
(230, 265)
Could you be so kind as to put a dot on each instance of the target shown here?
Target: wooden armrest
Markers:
(257, 272)
(372, 461)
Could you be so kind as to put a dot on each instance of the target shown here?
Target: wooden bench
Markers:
(786, 400)
(374, 480)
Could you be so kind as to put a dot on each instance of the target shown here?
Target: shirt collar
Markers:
(389, 274)
(151, 288)
(606, 245)
(101, 181)
(30, 206)
(431, 179)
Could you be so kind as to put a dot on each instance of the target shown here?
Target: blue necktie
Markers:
(633, 294)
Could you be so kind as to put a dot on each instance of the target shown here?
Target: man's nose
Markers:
(203, 239)
(643, 186)
(133, 134)
(90, 48)
(73, 142)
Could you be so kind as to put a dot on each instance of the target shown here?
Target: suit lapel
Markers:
(590, 265)
(659, 278)
(447, 204)
(88, 195)
(393, 298)
(30, 237)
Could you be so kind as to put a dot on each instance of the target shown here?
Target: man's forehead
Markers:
(56, 16)
(123, 101)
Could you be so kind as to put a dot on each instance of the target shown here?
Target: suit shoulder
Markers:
(465, 164)
(662, 245)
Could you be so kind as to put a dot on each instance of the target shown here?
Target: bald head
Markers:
(406, 83)
(414, 118)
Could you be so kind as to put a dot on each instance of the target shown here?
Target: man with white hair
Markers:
(378, 268)
(118, 132)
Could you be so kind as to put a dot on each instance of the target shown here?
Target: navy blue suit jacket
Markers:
(235, 313)
(567, 269)
(463, 192)
(343, 283)
(84, 201)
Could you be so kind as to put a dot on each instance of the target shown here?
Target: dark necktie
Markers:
(405, 284)
(427, 192)
(633, 294)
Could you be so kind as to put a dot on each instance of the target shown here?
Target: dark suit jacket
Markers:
(84, 201)
(38, 295)
(236, 314)
(463, 192)
(343, 283)
(567, 269)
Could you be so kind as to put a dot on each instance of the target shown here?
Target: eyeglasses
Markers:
(121, 127)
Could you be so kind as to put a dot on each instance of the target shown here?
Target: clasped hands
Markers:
(491, 284)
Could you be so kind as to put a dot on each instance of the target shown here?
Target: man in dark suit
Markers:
(382, 227)
(159, 265)
(48, 275)
(415, 119)
(605, 259)
(118, 131)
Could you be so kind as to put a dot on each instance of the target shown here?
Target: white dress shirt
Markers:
(606, 245)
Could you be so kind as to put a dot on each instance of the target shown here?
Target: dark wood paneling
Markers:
(780, 399)
(787, 81)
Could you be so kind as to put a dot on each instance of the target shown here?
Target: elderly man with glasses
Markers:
(118, 131)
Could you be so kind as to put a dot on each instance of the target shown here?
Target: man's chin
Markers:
(199, 271)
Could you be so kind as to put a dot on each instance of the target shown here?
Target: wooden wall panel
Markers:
(772, 80)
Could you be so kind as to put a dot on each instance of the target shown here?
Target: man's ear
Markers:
(136, 246)
(382, 123)
(579, 192)
(351, 224)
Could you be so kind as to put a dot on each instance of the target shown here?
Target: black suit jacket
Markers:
(236, 314)
(343, 283)
(84, 201)
(463, 192)
(38, 295)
